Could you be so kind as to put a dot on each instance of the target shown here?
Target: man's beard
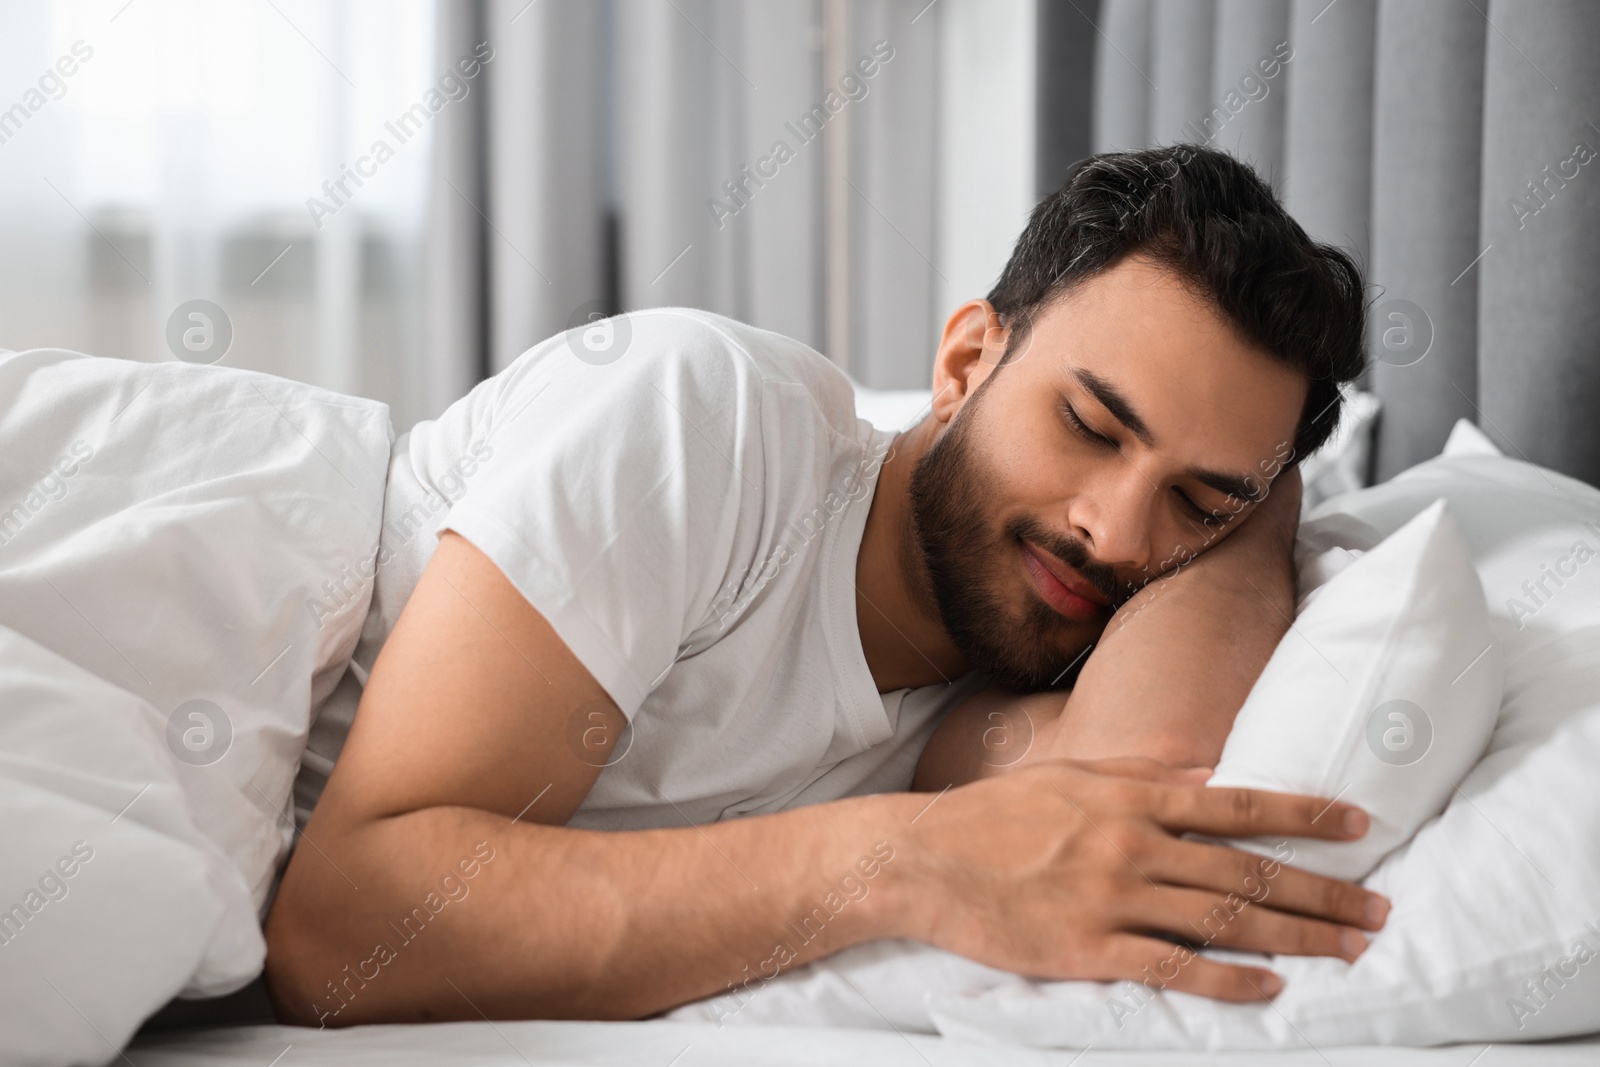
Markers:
(964, 560)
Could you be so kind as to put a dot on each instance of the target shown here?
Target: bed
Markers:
(196, 929)
(536, 1044)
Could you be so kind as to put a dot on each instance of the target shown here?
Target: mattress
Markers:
(656, 1044)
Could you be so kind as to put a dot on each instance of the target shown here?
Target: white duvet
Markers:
(183, 573)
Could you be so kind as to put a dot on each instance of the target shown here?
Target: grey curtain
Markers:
(1064, 128)
(1426, 188)
(455, 320)
(1538, 312)
(1450, 146)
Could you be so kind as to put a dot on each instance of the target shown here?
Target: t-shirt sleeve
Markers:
(611, 495)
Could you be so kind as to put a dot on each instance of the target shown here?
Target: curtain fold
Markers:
(782, 226)
(1538, 316)
(1426, 151)
(1064, 59)
(1247, 33)
(1327, 179)
(546, 178)
(987, 93)
(683, 84)
(1123, 88)
(455, 321)
(891, 199)
(1182, 35)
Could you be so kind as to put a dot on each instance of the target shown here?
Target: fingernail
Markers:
(1377, 910)
(1355, 822)
(1351, 943)
(1272, 985)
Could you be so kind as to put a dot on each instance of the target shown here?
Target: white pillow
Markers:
(1383, 694)
(1467, 440)
(201, 537)
(111, 899)
(892, 409)
(1341, 464)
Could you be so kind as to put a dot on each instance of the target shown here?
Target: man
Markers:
(685, 633)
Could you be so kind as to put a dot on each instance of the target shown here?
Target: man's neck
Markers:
(904, 641)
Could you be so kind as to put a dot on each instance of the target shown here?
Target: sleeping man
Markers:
(689, 631)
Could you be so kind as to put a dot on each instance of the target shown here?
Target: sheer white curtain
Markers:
(165, 151)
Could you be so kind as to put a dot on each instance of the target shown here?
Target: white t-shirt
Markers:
(684, 506)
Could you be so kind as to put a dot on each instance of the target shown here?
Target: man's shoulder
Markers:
(720, 353)
(731, 382)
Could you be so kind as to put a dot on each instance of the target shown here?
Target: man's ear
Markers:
(971, 348)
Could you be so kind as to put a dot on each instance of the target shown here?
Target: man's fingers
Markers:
(1266, 882)
(1233, 921)
(1160, 965)
(1227, 812)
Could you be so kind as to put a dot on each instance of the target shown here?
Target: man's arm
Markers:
(465, 735)
(1167, 677)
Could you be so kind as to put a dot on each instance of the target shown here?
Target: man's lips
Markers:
(1061, 586)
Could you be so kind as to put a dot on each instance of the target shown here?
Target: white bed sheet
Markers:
(656, 1044)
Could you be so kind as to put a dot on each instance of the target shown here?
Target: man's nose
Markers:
(1113, 519)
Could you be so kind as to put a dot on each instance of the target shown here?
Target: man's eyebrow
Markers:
(1113, 401)
(1239, 487)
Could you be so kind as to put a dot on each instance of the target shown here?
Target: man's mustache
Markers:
(1073, 552)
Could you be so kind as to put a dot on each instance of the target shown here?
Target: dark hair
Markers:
(1209, 219)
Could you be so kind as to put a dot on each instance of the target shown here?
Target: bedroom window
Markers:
(160, 151)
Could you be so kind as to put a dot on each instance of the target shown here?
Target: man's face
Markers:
(1131, 431)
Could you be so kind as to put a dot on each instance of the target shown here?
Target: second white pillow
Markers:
(1384, 692)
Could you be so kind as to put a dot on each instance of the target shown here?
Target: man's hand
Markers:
(1063, 870)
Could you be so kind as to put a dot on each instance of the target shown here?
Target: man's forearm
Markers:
(565, 923)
